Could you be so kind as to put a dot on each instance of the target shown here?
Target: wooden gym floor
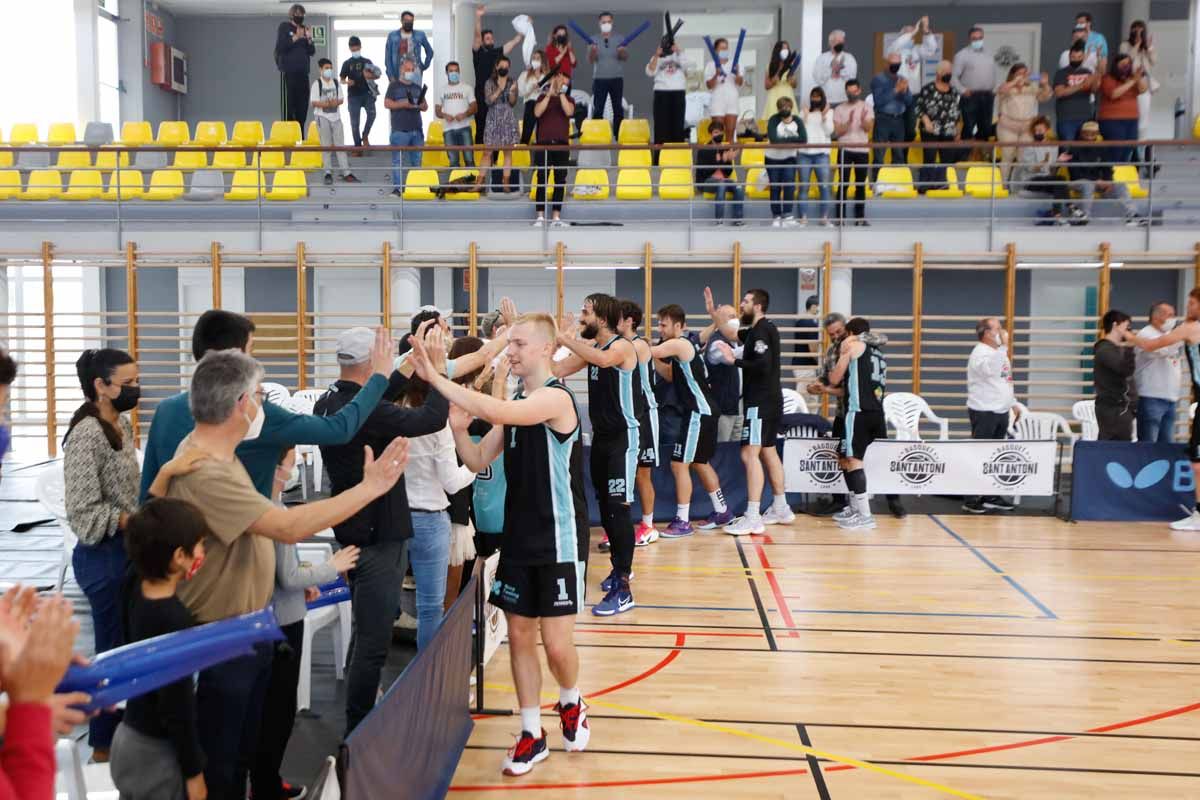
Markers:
(938, 655)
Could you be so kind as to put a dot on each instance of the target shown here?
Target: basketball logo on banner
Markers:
(495, 626)
(917, 465)
(1010, 466)
(821, 463)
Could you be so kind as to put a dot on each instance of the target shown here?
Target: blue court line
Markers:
(1008, 579)
(905, 613)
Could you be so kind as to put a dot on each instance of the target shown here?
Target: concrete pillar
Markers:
(801, 24)
(840, 291)
(87, 102)
(443, 41)
(1193, 91)
(1131, 10)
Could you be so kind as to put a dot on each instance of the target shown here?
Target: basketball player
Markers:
(647, 416)
(611, 363)
(861, 372)
(539, 581)
(762, 400)
(1187, 332)
(678, 359)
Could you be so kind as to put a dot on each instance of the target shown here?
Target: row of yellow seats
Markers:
(165, 184)
(190, 160)
(174, 133)
(981, 183)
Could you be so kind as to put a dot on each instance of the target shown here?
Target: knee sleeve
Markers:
(856, 481)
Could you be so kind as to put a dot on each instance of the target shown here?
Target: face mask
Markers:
(194, 568)
(327, 74)
(606, 27)
(944, 77)
(127, 399)
(838, 48)
(731, 327)
(561, 38)
(1125, 72)
(1076, 62)
(356, 54)
(785, 112)
(893, 68)
(977, 44)
(852, 96)
(997, 338)
(562, 89)
(406, 27)
(298, 19)
(410, 76)
(1039, 137)
(783, 54)
(716, 137)
(816, 103)
(452, 77)
(502, 71)
(724, 55)
(256, 424)
(536, 64)
(5, 440)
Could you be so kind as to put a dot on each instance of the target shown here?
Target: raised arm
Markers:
(851, 349)
(476, 456)
(1182, 333)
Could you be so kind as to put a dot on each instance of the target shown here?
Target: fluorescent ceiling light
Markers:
(1068, 264)
(567, 268)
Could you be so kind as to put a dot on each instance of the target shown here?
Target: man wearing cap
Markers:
(1091, 56)
(381, 528)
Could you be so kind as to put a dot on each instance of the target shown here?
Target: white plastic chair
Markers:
(69, 768)
(904, 410)
(307, 455)
(337, 615)
(793, 402)
(1085, 413)
(277, 393)
(51, 493)
(1040, 426)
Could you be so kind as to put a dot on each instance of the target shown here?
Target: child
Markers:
(156, 749)
(326, 99)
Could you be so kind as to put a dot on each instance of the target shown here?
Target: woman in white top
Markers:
(528, 88)
(724, 86)
(669, 71)
(433, 473)
(1140, 48)
(818, 129)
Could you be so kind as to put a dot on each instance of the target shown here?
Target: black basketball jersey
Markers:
(762, 387)
(1193, 358)
(866, 381)
(691, 382)
(643, 392)
(610, 397)
(540, 515)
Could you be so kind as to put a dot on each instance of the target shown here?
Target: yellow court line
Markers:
(849, 761)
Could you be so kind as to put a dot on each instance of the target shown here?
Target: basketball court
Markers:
(947, 655)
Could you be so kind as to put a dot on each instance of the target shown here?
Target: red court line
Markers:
(780, 602)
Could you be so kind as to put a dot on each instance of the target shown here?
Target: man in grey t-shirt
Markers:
(608, 76)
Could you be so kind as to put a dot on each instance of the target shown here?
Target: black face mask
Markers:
(1075, 64)
(503, 71)
(944, 78)
(127, 399)
(853, 97)
(561, 38)
(839, 47)
(1039, 137)
(893, 68)
(406, 27)
(298, 19)
(816, 103)
(717, 137)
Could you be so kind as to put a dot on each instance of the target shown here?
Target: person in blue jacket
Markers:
(407, 43)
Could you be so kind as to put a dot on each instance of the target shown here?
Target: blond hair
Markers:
(543, 322)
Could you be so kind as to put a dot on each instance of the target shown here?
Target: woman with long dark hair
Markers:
(1140, 47)
(777, 81)
(500, 132)
(1118, 115)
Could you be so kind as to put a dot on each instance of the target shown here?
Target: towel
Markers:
(524, 25)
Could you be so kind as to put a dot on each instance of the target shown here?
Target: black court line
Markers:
(888, 546)
(758, 603)
(876, 654)
(814, 765)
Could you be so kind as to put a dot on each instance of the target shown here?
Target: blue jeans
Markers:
(411, 158)
(1068, 129)
(781, 172)
(229, 706)
(358, 103)
(99, 571)
(818, 164)
(374, 600)
(429, 554)
(723, 187)
(459, 137)
(1116, 130)
(1155, 420)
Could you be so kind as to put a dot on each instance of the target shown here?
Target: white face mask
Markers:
(536, 63)
(355, 53)
(606, 27)
(731, 327)
(783, 54)
(1169, 323)
(327, 74)
(256, 424)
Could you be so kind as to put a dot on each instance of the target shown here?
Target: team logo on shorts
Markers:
(820, 462)
(1009, 466)
(917, 465)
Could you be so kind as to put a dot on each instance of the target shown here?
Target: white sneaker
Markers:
(778, 516)
(845, 513)
(1191, 523)
(777, 222)
(802, 222)
(789, 221)
(857, 522)
(539, 222)
(825, 223)
(744, 525)
(557, 223)
(404, 622)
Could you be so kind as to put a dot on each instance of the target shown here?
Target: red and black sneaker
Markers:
(573, 721)
(525, 753)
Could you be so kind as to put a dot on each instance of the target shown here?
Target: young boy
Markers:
(325, 97)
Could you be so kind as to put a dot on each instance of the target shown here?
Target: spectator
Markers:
(406, 100)
(1090, 58)
(1095, 41)
(293, 48)
(669, 71)
(8, 374)
(975, 79)
(462, 531)
(786, 130)
(1156, 377)
(892, 99)
(780, 81)
(1112, 375)
(560, 52)
(529, 87)
(608, 75)
(1016, 110)
(407, 44)
(553, 111)
(1091, 176)
(1140, 48)
(156, 749)
(852, 124)
(938, 110)
(500, 94)
(238, 572)
(484, 54)
(814, 161)
(359, 94)
(382, 528)
(100, 473)
(833, 68)
(326, 98)
(989, 397)
(724, 379)
(714, 173)
(456, 108)
(1037, 172)
(1073, 87)
(1119, 92)
(808, 339)
(912, 67)
(724, 84)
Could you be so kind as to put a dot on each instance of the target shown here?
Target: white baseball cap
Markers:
(354, 346)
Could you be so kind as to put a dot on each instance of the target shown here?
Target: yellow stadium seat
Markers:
(6, 157)
(289, 184)
(210, 134)
(952, 191)
(85, 184)
(43, 184)
(229, 159)
(634, 131)
(702, 134)
(247, 132)
(1128, 175)
(136, 134)
(982, 181)
(419, 184)
(678, 157)
(752, 157)
(755, 176)
(312, 137)
(437, 133)
(634, 158)
(895, 182)
(23, 133)
(434, 158)
(521, 159)
(127, 184)
(463, 173)
(596, 183)
(247, 185)
(272, 159)
(165, 184)
(675, 183)
(633, 184)
(190, 160)
(106, 160)
(285, 133)
(74, 159)
(10, 184)
(172, 133)
(305, 159)
(61, 133)
(597, 131)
